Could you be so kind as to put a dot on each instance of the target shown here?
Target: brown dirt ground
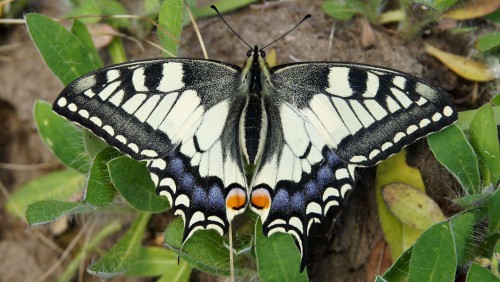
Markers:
(341, 251)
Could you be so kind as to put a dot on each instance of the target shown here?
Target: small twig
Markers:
(231, 259)
(12, 21)
(197, 30)
(28, 166)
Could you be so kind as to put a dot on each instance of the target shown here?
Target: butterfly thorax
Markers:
(253, 121)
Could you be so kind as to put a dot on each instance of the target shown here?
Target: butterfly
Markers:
(303, 126)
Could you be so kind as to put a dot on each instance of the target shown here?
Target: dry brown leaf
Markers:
(473, 9)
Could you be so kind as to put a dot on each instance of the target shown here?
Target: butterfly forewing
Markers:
(175, 113)
(364, 113)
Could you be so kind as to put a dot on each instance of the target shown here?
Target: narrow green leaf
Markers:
(63, 52)
(277, 257)
(488, 41)
(205, 250)
(170, 21)
(494, 211)
(223, 6)
(479, 273)
(132, 180)
(154, 261)
(434, 257)
(123, 254)
(484, 140)
(100, 191)
(71, 268)
(46, 211)
(88, 11)
(182, 274)
(463, 234)
(398, 272)
(453, 151)
(63, 138)
(80, 31)
(59, 185)
(114, 7)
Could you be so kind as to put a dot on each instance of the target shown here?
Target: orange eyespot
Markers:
(236, 199)
(261, 199)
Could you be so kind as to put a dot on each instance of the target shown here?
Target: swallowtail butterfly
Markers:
(305, 127)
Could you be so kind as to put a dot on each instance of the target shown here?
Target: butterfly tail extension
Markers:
(293, 207)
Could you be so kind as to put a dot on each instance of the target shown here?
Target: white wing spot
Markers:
(182, 199)
(109, 130)
(436, 117)
(412, 128)
(375, 109)
(447, 111)
(89, 93)
(295, 221)
(168, 195)
(97, 121)
(134, 103)
(330, 191)
(423, 123)
(398, 137)
(373, 154)
(344, 189)
(172, 75)
(112, 74)
(84, 113)
(358, 159)
(133, 147)
(421, 101)
(392, 105)
(401, 97)
(72, 107)
(399, 81)
(313, 207)
(197, 217)
(121, 138)
(117, 98)
(149, 153)
(341, 173)
(170, 183)
(138, 79)
(110, 89)
(372, 85)
(154, 177)
(159, 163)
(386, 146)
(62, 102)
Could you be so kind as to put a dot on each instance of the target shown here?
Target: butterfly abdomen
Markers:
(253, 128)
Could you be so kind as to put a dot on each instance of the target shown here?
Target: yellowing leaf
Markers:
(465, 67)
(473, 9)
(412, 206)
(399, 236)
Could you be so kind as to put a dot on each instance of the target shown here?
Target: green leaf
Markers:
(484, 140)
(439, 5)
(59, 185)
(80, 31)
(398, 272)
(466, 117)
(153, 261)
(453, 151)
(170, 21)
(496, 101)
(479, 273)
(132, 180)
(75, 264)
(114, 7)
(63, 52)
(46, 211)
(183, 273)
(488, 41)
(338, 10)
(123, 254)
(434, 257)
(100, 191)
(277, 257)
(494, 211)
(205, 250)
(88, 11)
(93, 144)
(61, 137)
(463, 235)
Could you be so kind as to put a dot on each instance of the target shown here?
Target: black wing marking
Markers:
(145, 108)
(178, 115)
(364, 113)
(299, 178)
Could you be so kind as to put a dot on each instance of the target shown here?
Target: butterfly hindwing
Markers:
(364, 113)
(174, 113)
(299, 178)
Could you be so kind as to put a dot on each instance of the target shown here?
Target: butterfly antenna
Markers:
(297, 25)
(215, 8)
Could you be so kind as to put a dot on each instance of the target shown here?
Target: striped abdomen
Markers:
(253, 128)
